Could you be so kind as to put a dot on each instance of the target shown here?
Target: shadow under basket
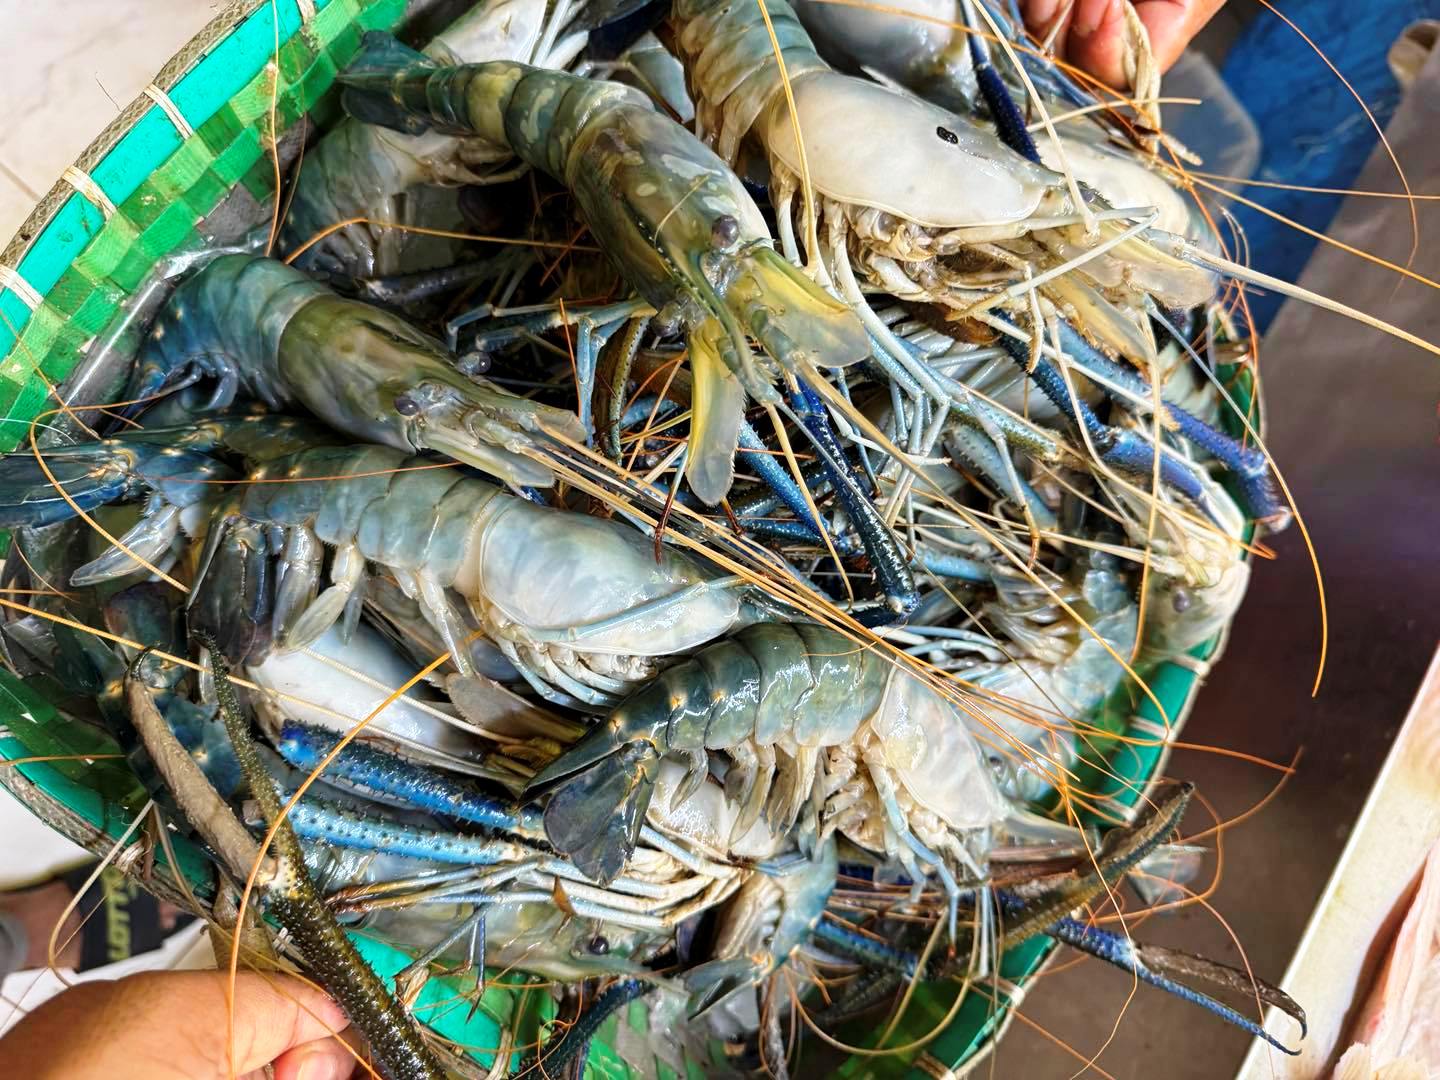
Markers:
(182, 168)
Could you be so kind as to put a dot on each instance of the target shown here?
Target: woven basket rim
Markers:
(171, 72)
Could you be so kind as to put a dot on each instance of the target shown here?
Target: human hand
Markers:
(1092, 32)
(172, 1024)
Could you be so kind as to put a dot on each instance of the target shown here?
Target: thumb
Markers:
(171, 1024)
(1172, 24)
(323, 1059)
(274, 1014)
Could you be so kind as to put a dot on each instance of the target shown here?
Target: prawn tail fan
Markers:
(371, 90)
(598, 803)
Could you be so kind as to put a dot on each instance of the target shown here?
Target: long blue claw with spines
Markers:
(1148, 963)
(892, 568)
(1120, 449)
(1009, 120)
(551, 1059)
(762, 462)
(1258, 496)
(359, 830)
(376, 772)
(866, 948)
(1122, 953)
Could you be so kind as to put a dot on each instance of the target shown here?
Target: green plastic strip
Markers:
(447, 1005)
(99, 789)
(233, 62)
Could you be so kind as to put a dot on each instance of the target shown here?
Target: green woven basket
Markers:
(163, 178)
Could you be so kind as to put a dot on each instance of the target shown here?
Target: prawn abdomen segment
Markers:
(585, 582)
(550, 118)
(754, 691)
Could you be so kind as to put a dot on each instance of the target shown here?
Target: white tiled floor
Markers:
(61, 64)
(66, 68)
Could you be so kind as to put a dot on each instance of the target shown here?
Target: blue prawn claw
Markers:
(1132, 956)
(233, 600)
(554, 1056)
(84, 477)
(377, 773)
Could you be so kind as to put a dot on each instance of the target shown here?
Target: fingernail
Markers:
(1039, 13)
(1089, 17)
(321, 1066)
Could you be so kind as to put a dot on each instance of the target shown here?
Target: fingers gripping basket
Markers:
(187, 164)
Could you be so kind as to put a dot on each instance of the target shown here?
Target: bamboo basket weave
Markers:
(179, 166)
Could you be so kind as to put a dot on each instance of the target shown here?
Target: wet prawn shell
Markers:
(494, 30)
(1120, 179)
(800, 685)
(656, 198)
(940, 763)
(418, 520)
(546, 569)
(658, 201)
(237, 307)
(323, 693)
(1179, 618)
(705, 820)
(931, 167)
(356, 168)
(907, 38)
(795, 684)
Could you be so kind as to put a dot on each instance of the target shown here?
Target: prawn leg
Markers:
(594, 327)
(609, 414)
(895, 818)
(1125, 451)
(1251, 470)
(414, 975)
(552, 1057)
(402, 290)
(989, 458)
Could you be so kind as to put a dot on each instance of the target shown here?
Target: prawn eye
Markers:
(947, 135)
(1180, 601)
(598, 945)
(724, 231)
(406, 405)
